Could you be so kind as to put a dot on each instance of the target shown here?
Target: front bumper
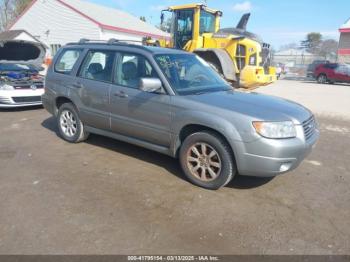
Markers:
(270, 157)
(20, 98)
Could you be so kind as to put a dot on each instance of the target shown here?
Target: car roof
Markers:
(151, 49)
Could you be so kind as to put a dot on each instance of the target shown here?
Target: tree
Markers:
(5, 13)
(312, 42)
(328, 49)
(21, 5)
(10, 10)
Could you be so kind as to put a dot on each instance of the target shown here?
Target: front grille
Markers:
(309, 127)
(26, 99)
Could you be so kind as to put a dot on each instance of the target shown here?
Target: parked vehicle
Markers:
(241, 57)
(173, 102)
(311, 67)
(20, 81)
(332, 72)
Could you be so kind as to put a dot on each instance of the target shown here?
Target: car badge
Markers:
(33, 87)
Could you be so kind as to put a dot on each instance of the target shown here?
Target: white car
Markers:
(20, 81)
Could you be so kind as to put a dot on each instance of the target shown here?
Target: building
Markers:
(344, 43)
(57, 22)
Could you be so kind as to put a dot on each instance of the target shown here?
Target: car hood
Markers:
(258, 106)
(24, 52)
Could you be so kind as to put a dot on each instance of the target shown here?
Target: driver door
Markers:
(135, 113)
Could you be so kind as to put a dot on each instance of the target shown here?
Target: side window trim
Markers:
(85, 56)
(61, 54)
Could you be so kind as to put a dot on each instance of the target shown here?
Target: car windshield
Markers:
(189, 74)
(16, 67)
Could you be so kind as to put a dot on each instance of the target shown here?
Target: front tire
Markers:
(70, 127)
(322, 79)
(207, 160)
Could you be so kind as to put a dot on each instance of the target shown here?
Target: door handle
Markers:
(77, 85)
(121, 94)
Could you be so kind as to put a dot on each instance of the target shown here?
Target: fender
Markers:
(228, 68)
(211, 121)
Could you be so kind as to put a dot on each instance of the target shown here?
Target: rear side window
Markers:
(67, 60)
(98, 65)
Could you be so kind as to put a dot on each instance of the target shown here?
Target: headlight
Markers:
(6, 87)
(284, 129)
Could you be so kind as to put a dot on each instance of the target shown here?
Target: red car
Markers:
(332, 72)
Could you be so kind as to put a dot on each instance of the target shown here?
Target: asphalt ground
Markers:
(108, 197)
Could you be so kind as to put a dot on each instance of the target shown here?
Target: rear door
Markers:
(62, 74)
(135, 113)
(93, 84)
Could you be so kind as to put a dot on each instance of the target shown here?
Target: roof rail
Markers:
(110, 41)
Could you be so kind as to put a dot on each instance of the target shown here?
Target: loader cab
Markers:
(190, 22)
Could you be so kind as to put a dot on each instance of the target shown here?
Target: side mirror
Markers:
(150, 84)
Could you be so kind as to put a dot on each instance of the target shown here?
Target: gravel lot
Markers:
(108, 197)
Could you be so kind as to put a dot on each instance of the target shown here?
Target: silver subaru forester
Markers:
(174, 103)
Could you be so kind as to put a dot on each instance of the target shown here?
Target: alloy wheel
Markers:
(203, 162)
(68, 123)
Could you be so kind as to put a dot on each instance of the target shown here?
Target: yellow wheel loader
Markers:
(239, 56)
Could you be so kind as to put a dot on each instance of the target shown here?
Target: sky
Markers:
(278, 22)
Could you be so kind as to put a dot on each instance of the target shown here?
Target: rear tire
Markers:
(70, 127)
(207, 160)
(322, 79)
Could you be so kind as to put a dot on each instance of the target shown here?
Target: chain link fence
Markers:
(296, 62)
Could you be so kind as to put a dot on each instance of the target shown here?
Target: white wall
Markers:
(108, 34)
(53, 23)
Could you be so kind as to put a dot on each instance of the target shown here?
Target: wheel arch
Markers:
(190, 129)
(221, 58)
(59, 101)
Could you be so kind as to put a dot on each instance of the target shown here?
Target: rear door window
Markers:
(98, 65)
(67, 60)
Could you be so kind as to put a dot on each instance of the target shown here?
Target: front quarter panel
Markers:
(184, 114)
